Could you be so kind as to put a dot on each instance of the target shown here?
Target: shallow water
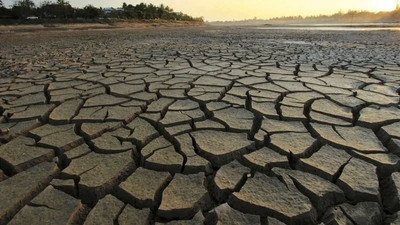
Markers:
(336, 27)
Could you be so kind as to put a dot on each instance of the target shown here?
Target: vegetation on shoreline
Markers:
(352, 16)
(26, 12)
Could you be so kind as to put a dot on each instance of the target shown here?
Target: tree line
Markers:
(61, 9)
(351, 16)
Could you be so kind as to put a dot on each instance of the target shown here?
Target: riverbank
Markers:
(4, 29)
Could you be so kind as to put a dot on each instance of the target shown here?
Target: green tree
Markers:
(129, 12)
(23, 9)
(64, 9)
(149, 11)
(5, 13)
(140, 10)
(26, 3)
(91, 12)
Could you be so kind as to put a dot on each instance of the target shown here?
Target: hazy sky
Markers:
(245, 9)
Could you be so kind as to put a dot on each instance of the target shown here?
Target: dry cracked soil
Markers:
(201, 125)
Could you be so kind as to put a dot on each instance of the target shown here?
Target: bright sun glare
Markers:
(385, 5)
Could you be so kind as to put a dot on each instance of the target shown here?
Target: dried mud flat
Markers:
(201, 125)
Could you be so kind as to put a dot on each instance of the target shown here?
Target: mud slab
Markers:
(199, 125)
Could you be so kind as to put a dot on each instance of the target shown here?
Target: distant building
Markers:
(108, 10)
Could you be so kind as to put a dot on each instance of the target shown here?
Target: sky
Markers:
(213, 10)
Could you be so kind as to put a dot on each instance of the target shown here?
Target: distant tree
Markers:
(60, 9)
(25, 3)
(129, 12)
(62, 2)
(47, 9)
(161, 11)
(23, 9)
(91, 12)
(63, 10)
(149, 11)
(139, 10)
(5, 13)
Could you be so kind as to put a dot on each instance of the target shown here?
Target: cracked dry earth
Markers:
(200, 125)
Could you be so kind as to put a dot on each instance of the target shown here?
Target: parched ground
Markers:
(201, 125)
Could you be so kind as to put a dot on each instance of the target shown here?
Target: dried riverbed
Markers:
(200, 125)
